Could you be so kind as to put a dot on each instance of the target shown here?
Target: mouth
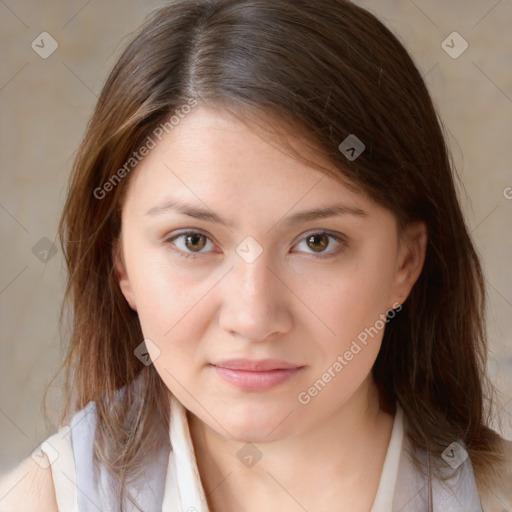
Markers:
(256, 375)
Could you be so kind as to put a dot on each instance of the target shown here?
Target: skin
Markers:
(288, 304)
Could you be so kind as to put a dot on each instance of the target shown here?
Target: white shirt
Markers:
(173, 483)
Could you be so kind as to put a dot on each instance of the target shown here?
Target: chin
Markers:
(252, 424)
(255, 434)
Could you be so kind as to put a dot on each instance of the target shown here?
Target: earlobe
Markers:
(412, 253)
(122, 277)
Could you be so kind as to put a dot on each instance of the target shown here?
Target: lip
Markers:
(256, 375)
(256, 365)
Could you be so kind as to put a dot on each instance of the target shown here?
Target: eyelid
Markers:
(340, 238)
(168, 240)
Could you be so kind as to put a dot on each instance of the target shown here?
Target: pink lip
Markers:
(256, 365)
(256, 375)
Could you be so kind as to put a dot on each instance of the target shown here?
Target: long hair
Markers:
(326, 70)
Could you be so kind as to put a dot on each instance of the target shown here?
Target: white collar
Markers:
(183, 488)
(402, 487)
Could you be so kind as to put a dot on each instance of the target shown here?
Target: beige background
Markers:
(46, 103)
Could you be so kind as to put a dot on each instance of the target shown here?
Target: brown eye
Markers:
(320, 240)
(321, 243)
(195, 241)
(189, 244)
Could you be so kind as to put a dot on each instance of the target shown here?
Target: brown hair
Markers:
(327, 69)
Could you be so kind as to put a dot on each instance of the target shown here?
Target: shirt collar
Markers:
(184, 491)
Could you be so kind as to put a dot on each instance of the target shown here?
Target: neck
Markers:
(333, 459)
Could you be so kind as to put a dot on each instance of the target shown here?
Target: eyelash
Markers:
(190, 255)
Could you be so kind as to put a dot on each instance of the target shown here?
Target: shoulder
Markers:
(497, 497)
(45, 481)
(28, 487)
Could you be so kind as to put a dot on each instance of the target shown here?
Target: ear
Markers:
(122, 275)
(411, 257)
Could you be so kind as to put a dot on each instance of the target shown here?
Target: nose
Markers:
(255, 303)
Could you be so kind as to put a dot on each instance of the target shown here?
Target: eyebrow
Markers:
(209, 216)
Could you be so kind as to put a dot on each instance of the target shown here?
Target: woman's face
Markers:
(299, 298)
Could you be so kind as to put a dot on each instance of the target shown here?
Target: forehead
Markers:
(213, 157)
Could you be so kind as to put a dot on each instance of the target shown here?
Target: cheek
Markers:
(357, 298)
(173, 316)
(172, 310)
(168, 296)
(355, 309)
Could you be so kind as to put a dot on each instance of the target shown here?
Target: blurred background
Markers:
(56, 56)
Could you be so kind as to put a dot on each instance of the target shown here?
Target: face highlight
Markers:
(233, 251)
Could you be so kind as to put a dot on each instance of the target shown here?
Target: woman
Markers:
(276, 302)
